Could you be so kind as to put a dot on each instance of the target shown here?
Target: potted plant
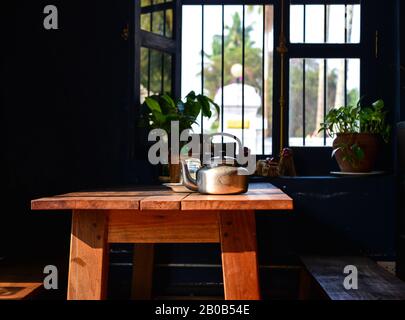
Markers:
(359, 133)
(160, 110)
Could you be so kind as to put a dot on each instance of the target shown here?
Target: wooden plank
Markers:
(88, 265)
(259, 197)
(304, 290)
(85, 203)
(163, 202)
(18, 290)
(163, 227)
(254, 199)
(239, 255)
(142, 271)
(374, 282)
(120, 193)
(154, 41)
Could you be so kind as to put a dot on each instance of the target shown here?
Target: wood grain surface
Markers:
(18, 290)
(263, 196)
(239, 255)
(88, 265)
(163, 227)
(256, 199)
(374, 282)
(142, 271)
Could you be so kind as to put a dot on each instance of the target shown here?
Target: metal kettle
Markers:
(221, 175)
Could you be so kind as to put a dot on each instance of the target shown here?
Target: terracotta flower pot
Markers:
(174, 169)
(369, 143)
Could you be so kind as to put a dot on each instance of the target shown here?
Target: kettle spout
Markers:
(188, 181)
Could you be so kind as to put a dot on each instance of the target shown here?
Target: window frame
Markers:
(363, 51)
(366, 51)
(147, 39)
(276, 62)
(321, 51)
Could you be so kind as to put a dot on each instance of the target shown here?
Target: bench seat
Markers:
(374, 282)
(18, 290)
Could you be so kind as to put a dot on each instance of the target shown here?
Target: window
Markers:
(324, 67)
(316, 86)
(157, 17)
(157, 48)
(227, 54)
(156, 72)
(325, 23)
(227, 50)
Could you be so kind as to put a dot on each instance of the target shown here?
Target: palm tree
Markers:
(233, 41)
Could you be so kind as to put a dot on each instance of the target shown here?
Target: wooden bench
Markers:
(18, 290)
(326, 273)
(20, 281)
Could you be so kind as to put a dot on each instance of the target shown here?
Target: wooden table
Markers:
(147, 216)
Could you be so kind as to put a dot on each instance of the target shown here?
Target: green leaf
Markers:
(191, 96)
(169, 101)
(216, 106)
(153, 105)
(379, 104)
(160, 110)
(192, 109)
(205, 106)
(160, 119)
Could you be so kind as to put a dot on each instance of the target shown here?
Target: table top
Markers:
(260, 196)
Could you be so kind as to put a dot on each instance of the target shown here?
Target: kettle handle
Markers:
(224, 134)
(188, 181)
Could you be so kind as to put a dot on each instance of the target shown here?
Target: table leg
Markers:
(142, 274)
(239, 255)
(88, 265)
(304, 285)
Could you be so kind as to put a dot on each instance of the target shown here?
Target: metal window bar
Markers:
(345, 23)
(303, 77)
(303, 100)
(345, 82)
(243, 75)
(202, 76)
(325, 92)
(263, 76)
(149, 52)
(162, 79)
(222, 68)
(346, 39)
(325, 70)
(304, 23)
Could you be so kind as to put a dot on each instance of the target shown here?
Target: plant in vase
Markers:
(359, 133)
(160, 110)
